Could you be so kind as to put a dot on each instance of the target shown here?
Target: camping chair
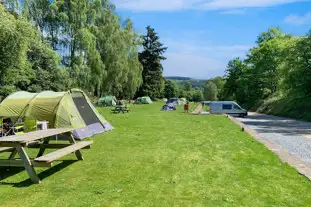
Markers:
(18, 127)
(35, 125)
(7, 127)
(43, 125)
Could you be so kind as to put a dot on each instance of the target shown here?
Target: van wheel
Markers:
(242, 115)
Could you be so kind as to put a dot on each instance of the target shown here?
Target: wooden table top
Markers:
(34, 136)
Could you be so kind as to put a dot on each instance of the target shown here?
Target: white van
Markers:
(225, 107)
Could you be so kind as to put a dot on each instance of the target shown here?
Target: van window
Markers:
(237, 107)
(227, 106)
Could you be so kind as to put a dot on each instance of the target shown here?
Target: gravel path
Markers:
(292, 135)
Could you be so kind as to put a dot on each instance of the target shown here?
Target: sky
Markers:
(203, 35)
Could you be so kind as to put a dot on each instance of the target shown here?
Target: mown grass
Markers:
(156, 158)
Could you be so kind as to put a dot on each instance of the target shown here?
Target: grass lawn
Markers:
(156, 158)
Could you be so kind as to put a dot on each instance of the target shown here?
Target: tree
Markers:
(187, 86)
(170, 90)
(47, 73)
(272, 33)
(197, 96)
(188, 95)
(25, 61)
(219, 82)
(181, 92)
(234, 71)
(151, 58)
(267, 70)
(266, 59)
(95, 46)
(297, 66)
(210, 91)
(98, 52)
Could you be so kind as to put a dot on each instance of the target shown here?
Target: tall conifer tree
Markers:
(150, 58)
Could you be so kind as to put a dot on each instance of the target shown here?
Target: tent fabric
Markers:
(174, 101)
(144, 100)
(182, 101)
(177, 101)
(107, 101)
(71, 109)
(169, 107)
(88, 131)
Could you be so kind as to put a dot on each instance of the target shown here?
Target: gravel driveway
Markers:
(292, 135)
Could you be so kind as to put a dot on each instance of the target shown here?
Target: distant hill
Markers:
(177, 78)
(196, 83)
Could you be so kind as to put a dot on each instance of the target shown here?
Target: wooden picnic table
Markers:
(120, 108)
(16, 144)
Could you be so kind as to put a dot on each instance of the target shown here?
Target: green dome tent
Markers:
(107, 101)
(71, 109)
(144, 100)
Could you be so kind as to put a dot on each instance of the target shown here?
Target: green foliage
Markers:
(197, 96)
(297, 66)
(210, 91)
(278, 66)
(187, 86)
(235, 69)
(151, 58)
(181, 92)
(196, 84)
(26, 63)
(170, 90)
(98, 52)
(219, 82)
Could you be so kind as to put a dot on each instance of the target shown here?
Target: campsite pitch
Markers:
(155, 158)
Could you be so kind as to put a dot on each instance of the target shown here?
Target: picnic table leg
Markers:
(27, 164)
(13, 154)
(78, 152)
(42, 148)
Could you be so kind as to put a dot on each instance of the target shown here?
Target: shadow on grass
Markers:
(11, 171)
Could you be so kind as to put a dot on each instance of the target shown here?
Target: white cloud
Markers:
(234, 11)
(204, 47)
(169, 5)
(199, 59)
(299, 20)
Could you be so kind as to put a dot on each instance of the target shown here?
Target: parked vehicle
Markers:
(225, 107)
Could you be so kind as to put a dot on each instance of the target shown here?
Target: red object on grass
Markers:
(186, 107)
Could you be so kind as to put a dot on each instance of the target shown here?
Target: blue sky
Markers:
(203, 35)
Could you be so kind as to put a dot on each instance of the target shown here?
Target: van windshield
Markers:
(237, 107)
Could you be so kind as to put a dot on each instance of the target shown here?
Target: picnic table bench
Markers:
(120, 108)
(16, 144)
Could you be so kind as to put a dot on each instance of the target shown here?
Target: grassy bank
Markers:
(155, 158)
(297, 107)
